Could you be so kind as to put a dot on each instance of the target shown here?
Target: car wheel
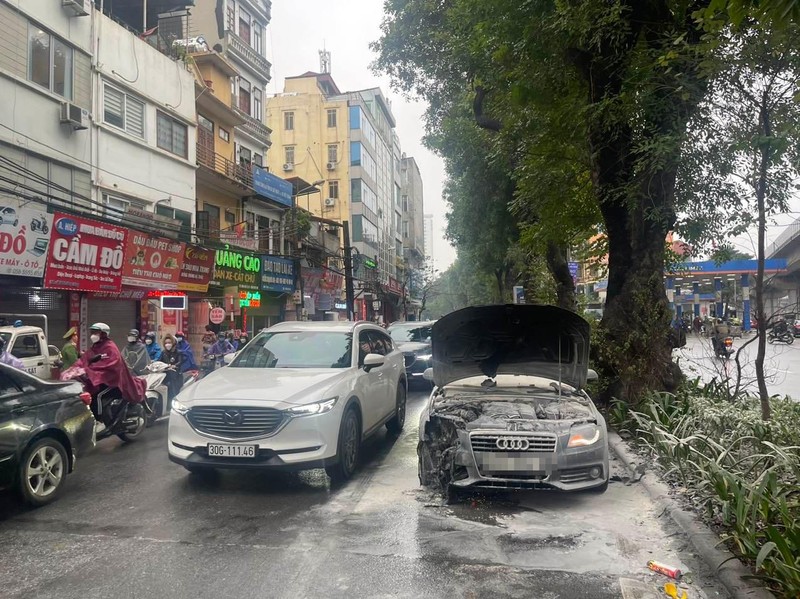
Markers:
(348, 448)
(395, 425)
(43, 470)
(135, 430)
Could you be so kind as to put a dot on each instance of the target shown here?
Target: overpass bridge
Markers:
(783, 290)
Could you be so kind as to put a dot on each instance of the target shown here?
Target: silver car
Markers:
(508, 409)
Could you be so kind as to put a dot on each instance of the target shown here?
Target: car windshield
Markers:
(6, 337)
(406, 333)
(297, 349)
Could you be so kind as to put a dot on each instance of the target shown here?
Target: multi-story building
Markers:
(345, 142)
(411, 203)
(428, 236)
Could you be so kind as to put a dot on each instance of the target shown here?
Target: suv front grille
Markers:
(537, 443)
(235, 423)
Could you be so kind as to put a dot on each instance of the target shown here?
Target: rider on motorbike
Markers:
(104, 366)
(153, 348)
(135, 353)
(172, 355)
(721, 331)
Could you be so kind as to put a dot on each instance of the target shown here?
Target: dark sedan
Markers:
(44, 427)
(414, 340)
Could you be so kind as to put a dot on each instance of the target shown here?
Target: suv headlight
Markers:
(584, 436)
(179, 408)
(312, 409)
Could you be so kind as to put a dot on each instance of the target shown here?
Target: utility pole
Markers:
(348, 271)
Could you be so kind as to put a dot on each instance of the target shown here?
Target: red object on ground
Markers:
(665, 570)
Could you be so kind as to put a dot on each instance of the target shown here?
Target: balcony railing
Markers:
(237, 172)
(243, 50)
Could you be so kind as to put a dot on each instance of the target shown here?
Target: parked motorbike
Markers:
(785, 336)
(796, 328)
(723, 348)
(39, 223)
(158, 397)
(118, 416)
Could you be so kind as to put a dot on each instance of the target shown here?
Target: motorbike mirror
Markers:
(228, 358)
(591, 375)
(428, 374)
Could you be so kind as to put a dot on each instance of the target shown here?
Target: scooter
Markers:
(157, 396)
(115, 415)
(783, 337)
(723, 348)
(39, 223)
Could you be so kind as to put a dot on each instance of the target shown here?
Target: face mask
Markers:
(168, 345)
(95, 338)
(148, 341)
(132, 339)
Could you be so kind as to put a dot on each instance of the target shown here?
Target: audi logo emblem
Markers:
(513, 443)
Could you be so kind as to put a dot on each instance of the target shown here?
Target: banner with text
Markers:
(152, 261)
(24, 237)
(85, 255)
(196, 268)
(237, 268)
(278, 274)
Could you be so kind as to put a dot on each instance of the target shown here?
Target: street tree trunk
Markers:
(559, 269)
(761, 193)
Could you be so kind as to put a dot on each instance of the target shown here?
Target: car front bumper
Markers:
(299, 444)
(566, 470)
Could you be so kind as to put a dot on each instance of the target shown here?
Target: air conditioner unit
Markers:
(288, 166)
(331, 166)
(74, 115)
(78, 8)
(330, 202)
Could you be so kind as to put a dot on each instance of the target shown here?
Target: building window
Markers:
(230, 218)
(258, 110)
(288, 121)
(288, 154)
(244, 95)
(231, 16)
(245, 157)
(123, 110)
(405, 203)
(331, 117)
(244, 26)
(405, 229)
(224, 134)
(172, 135)
(258, 44)
(333, 153)
(49, 62)
(258, 160)
(333, 189)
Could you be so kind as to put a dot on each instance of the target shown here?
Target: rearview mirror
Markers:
(428, 374)
(591, 375)
(373, 361)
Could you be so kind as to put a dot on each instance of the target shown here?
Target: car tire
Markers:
(133, 435)
(41, 489)
(395, 425)
(348, 448)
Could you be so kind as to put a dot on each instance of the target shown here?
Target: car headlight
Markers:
(179, 408)
(312, 409)
(584, 436)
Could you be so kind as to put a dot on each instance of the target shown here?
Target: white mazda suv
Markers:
(300, 395)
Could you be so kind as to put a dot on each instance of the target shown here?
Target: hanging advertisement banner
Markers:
(24, 237)
(278, 274)
(85, 255)
(152, 261)
(237, 268)
(196, 268)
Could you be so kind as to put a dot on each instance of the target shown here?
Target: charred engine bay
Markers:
(468, 412)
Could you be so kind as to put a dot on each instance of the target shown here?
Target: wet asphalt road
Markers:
(133, 524)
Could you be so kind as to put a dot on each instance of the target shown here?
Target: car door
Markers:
(10, 436)
(368, 384)
(391, 369)
(29, 348)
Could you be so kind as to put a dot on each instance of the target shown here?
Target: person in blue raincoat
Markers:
(188, 362)
(153, 348)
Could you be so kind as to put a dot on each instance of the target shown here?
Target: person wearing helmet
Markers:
(153, 348)
(188, 362)
(104, 366)
(171, 355)
(221, 348)
(6, 357)
(135, 353)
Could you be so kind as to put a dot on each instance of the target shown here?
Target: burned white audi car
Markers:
(508, 409)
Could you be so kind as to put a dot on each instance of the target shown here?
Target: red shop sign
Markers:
(152, 261)
(85, 255)
(196, 268)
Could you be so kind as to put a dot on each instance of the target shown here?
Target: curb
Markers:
(727, 567)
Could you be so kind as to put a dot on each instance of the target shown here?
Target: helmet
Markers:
(133, 333)
(180, 334)
(102, 327)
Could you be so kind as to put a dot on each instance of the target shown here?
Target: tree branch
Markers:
(481, 119)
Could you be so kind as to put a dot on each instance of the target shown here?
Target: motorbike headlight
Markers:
(312, 409)
(179, 408)
(584, 436)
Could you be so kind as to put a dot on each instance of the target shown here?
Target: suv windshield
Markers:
(297, 349)
(406, 333)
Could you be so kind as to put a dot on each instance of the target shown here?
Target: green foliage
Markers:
(741, 471)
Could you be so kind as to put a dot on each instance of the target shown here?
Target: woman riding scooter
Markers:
(174, 357)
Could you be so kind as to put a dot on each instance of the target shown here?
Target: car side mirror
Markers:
(428, 374)
(591, 375)
(53, 351)
(373, 361)
(228, 358)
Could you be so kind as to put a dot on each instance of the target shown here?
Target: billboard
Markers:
(24, 237)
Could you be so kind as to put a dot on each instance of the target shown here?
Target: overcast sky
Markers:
(346, 27)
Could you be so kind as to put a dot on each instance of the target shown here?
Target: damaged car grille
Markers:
(534, 443)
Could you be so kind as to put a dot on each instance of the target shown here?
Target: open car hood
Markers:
(511, 339)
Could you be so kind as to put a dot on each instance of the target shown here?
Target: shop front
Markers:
(197, 268)
(236, 273)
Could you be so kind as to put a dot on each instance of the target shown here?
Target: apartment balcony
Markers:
(264, 7)
(252, 126)
(240, 49)
(222, 173)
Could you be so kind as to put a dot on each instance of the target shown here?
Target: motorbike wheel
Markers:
(45, 229)
(133, 434)
(156, 407)
(789, 339)
(770, 339)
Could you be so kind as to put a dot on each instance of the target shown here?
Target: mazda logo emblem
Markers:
(232, 417)
(513, 443)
